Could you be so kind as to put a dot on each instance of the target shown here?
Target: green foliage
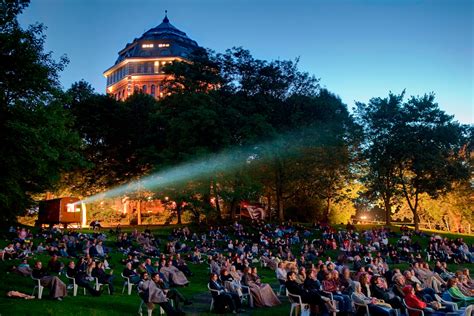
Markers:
(412, 148)
(36, 137)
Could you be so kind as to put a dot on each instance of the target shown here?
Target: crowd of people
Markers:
(362, 275)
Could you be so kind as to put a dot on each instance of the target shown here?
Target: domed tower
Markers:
(139, 66)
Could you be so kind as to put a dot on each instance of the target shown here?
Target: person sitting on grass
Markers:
(151, 294)
(182, 266)
(57, 288)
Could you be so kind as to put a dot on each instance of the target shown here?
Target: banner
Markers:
(253, 211)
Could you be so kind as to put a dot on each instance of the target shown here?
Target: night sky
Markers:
(359, 49)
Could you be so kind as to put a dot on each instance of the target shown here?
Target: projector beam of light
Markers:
(226, 161)
(181, 173)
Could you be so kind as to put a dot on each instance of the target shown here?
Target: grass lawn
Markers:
(122, 304)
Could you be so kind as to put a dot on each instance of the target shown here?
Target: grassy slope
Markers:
(120, 304)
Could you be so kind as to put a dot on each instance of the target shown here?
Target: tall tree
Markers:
(412, 148)
(379, 120)
(37, 142)
(430, 151)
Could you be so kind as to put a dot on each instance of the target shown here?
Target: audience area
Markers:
(248, 268)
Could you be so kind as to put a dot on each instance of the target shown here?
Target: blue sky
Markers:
(359, 49)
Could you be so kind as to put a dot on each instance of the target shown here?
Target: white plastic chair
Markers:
(327, 293)
(212, 297)
(75, 286)
(149, 311)
(448, 303)
(366, 306)
(37, 286)
(99, 285)
(282, 287)
(247, 295)
(296, 303)
(127, 284)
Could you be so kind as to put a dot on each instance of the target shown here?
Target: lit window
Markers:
(71, 208)
(147, 46)
(164, 45)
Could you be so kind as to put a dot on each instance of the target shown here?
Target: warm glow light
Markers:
(164, 45)
(147, 46)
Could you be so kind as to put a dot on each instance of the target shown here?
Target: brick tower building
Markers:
(139, 65)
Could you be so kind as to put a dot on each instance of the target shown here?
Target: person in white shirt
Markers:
(281, 273)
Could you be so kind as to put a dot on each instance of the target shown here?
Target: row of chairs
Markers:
(75, 286)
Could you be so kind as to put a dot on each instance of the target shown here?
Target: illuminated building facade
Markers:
(139, 66)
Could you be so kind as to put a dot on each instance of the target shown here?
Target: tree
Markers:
(37, 141)
(412, 148)
(379, 120)
(430, 151)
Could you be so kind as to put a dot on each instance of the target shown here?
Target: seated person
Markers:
(223, 298)
(414, 302)
(80, 277)
(54, 265)
(57, 288)
(131, 274)
(453, 293)
(281, 273)
(152, 294)
(9, 252)
(376, 306)
(307, 296)
(230, 283)
(331, 285)
(379, 289)
(173, 274)
(262, 293)
(182, 266)
(103, 278)
(172, 294)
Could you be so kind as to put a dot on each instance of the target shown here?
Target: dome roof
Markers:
(174, 43)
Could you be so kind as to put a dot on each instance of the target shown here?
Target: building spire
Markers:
(165, 20)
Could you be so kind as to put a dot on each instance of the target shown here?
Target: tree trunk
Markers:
(178, 212)
(232, 208)
(388, 210)
(328, 209)
(213, 191)
(279, 191)
(281, 213)
(139, 213)
(416, 219)
(269, 208)
(218, 206)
